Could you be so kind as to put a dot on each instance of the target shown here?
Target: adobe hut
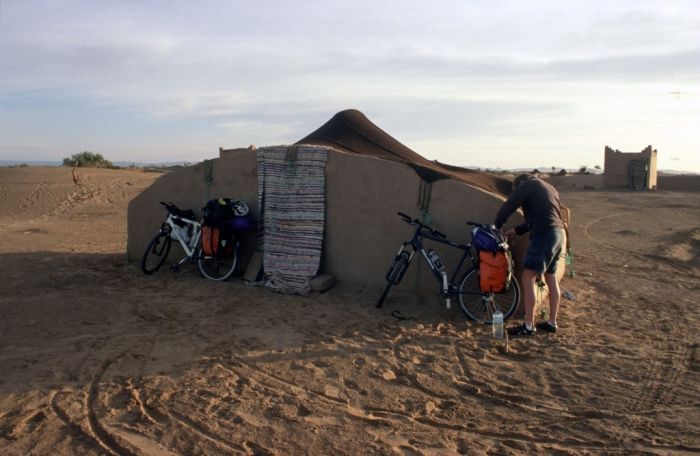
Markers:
(634, 170)
(369, 177)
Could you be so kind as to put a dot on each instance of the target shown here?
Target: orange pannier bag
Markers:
(210, 240)
(216, 241)
(495, 270)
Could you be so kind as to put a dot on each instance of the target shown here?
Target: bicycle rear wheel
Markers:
(479, 306)
(217, 267)
(395, 274)
(156, 253)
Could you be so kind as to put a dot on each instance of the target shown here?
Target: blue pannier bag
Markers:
(243, 223)
(487, 238)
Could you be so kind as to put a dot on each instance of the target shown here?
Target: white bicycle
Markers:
(181, 227)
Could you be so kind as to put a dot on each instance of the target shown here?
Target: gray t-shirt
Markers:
(540, 203)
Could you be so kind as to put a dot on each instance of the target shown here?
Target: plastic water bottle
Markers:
(435, 259)
(497, 325)
(569, 262)
(182, 231)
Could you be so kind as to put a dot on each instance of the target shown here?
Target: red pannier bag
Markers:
(216, 241)
(210, 240)
(495, 270)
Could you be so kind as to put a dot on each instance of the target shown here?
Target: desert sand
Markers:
(97, 358)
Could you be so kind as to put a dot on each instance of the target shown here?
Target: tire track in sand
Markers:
(106, 439)
(77, 430)
(644, 257)
(394, 418)
(668, 363)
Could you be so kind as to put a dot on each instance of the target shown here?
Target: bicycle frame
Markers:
(190, 248)
(448, 286)
(417, 244)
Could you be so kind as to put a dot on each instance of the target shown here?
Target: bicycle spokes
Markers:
(489, 302)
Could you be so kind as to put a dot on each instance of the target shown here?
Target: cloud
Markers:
(452, 76)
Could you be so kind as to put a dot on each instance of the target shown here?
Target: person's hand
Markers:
(510, 234)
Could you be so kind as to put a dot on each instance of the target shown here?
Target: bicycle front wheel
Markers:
(156, 253)
(479, 306)
(395, 274)
(217, 267)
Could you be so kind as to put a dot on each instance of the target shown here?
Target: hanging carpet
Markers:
(291, 198)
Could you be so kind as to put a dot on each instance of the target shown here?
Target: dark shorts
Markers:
(544, 251)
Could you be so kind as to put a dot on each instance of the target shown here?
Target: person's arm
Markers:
(518, 230)
(514, 201)
(522, 228)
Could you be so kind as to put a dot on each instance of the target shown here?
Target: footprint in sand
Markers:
(303, 411)
(359, 362)
(28, 425)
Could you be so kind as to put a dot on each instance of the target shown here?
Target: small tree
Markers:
(88, 160)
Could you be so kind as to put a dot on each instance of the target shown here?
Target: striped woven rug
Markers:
(292, 199)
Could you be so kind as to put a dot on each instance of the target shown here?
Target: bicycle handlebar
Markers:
(168, 206)
(172, 209)
(405, 217)
(415, 221)
(481, 224)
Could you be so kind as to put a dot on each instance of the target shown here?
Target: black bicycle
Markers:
(476, 305)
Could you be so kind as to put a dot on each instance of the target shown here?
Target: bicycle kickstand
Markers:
(176, 266)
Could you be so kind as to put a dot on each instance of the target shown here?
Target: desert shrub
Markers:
(88, 160)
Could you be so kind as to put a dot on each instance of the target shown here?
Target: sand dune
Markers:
(97, 358)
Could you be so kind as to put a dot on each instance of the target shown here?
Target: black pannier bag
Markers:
(218, 234)
(217, 212)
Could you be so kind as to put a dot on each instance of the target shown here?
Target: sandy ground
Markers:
(96, 358)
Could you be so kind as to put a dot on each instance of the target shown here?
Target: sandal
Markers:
(521, 330)
(546, 326)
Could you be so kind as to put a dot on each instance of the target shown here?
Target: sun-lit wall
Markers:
(617, 167)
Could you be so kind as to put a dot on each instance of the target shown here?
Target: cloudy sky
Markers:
(470, 83)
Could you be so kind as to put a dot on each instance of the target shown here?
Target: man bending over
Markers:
(542, 210)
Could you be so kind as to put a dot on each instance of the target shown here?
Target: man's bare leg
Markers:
(554, 296)
(529, 277)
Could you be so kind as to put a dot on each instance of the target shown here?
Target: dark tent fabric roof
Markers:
(351, 131)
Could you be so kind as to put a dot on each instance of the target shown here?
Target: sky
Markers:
(491, 84)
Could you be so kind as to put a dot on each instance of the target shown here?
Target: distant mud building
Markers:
(634, 170)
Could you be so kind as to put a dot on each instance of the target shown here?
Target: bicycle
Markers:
(179, 226)
(475, 304)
